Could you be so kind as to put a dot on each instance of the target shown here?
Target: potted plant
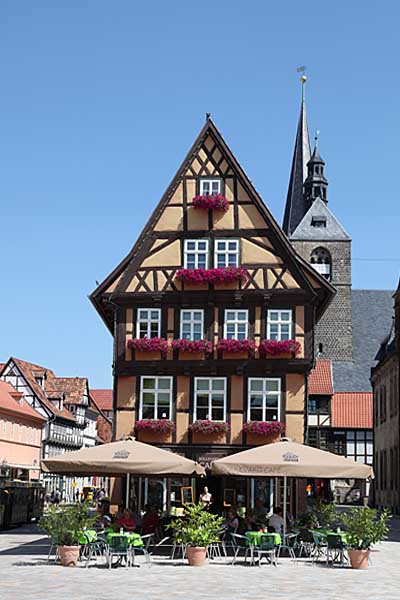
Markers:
(196, 530)
(64, 525)
(364, 527)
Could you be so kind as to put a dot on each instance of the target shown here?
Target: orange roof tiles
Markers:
(352, 410)
(103, 398)
(320, 380)
(12, 401)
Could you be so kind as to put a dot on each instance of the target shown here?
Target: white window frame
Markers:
(4, 428)
(211, 181)
(279, 322)
(149, 321)
(264, 394)
(196, 253)
(226, 252)
(156, 391)
(209, 392)
(192, 322)
(236, 322)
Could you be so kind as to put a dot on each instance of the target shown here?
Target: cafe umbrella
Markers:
(126, 457)
(290, 459)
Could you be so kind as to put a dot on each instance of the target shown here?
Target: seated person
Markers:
(126, 520)
(231, 522)
(150, 520)
(260, 512)
(275, 521)
(248, 523)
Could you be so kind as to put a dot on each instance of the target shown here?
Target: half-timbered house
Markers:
(213, 317)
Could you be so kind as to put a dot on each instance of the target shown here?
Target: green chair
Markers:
(335, 549)
(266, 548)
(146, 541)
(320, 545)
(118, 545)
(239, 543)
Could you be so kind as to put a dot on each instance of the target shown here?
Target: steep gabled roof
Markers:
(295, 203)
(320, 379)
(352, 410)
(13, 401)
(73, 388)
(319, 211)
(300, 269)
(103, 398)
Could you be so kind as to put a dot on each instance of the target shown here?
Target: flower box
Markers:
(207, 427)
(211, 202)
(277, 347)
(155, 425)
(237, 346)
(219, 275)
(149, 345)
(192, 346)
(264, 428)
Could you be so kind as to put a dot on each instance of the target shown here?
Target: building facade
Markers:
(385, 382)
(69, 414)
(213, 317)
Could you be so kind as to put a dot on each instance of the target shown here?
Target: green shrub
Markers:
(197, 527)
(365, 527)
(65, 524)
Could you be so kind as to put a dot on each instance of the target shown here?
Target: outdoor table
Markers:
(134, 539)
(87, 536)
(254, 539)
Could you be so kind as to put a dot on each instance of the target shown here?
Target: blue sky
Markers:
(100, 101)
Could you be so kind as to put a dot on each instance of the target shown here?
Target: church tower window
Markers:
(322, 262)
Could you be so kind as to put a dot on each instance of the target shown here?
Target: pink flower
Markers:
(219, 275)
(265, 428)
(155, 425)
(236, 346)
(145, 344)
(275, 347)
(192, 345)
(206, 426)
(213, 202)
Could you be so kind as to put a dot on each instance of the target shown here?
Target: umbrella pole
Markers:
(284, 506)
(127, 490)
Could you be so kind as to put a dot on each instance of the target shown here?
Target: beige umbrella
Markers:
(127, 457)
(290, 459)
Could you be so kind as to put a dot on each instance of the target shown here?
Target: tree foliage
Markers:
(65, 524)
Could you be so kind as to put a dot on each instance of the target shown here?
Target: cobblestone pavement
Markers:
(25, 574)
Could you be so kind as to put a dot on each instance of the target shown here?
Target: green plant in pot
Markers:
(64, 525)
(364, 528)
(197, 529)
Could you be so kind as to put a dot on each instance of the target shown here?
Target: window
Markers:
(27, 432)
(236, 324)
(318, 438)
(264, 399)
(279, 325)
(319, 405)
(210, 187)
(11, 430)
(210, 398)
(192, 327)
(339, 442)
(226, 253)
(321, 261)
(20, 433)
(196, 254)
(155, 398)
(3, 428)
(148, 322)
(359, 446)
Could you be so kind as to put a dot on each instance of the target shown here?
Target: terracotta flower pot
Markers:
(196, 556)
(69, 555)
(358, 558)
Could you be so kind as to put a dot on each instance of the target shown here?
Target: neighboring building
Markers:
(20, 435)
(281, 299)
(104, 400)
(69, 412)
(385, 382)
(347, 335)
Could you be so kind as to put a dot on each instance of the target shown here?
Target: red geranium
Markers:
(219, 275)
(236, 346)
(264, 428)
(145, 344)
(276, 347)
(206, 426)
(213, 202)
(155, 425)
(192, 345)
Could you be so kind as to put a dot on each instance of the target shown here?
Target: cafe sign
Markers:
(290, 457)
(121, 454)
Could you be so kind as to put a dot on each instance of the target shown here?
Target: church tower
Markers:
(318, 236)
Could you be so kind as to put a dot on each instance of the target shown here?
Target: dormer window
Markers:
(210, 187)
(321, 261)
(318, 221)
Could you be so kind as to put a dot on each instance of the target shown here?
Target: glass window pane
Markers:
(202, 261)
(154, 315)
(369, 435)
(148, 383)
(350, 435)
(255, 414)
(217, 414)
(164, 384)
(221, 246)
(163, 398)
(271, 414)
(143, 314)
(272, 385)
(148, 412)
(218, 384)
(185, 315)
(197, 316)
(271, 401)
(285, 316)
(256, 401)
(242, 315)
(190, 245)
(232, 260)
(202, 384)
(163, 412)
(202, 413)
(273, 316)
(256, 385)
(148, 397)
(232, 246)
(217, 399)
(202, 245)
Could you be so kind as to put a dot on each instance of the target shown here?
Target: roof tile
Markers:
(320, 380)
(352, 409)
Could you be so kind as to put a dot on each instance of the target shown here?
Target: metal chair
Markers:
(119, 546)
(320, 545)
(239, 542)
(289, 544)
(305, 543)
(96, 548)
(267, 548)
(335, 550)
(147, 540)
(53, 548)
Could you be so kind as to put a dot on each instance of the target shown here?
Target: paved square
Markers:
(25, 574)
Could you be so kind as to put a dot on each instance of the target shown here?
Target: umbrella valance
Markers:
(290, 459)
(121, 458)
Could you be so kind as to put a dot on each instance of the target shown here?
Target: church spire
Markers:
(315, 186)
(295, 208)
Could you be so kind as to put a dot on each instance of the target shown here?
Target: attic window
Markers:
(210, 187)
(318, 222)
